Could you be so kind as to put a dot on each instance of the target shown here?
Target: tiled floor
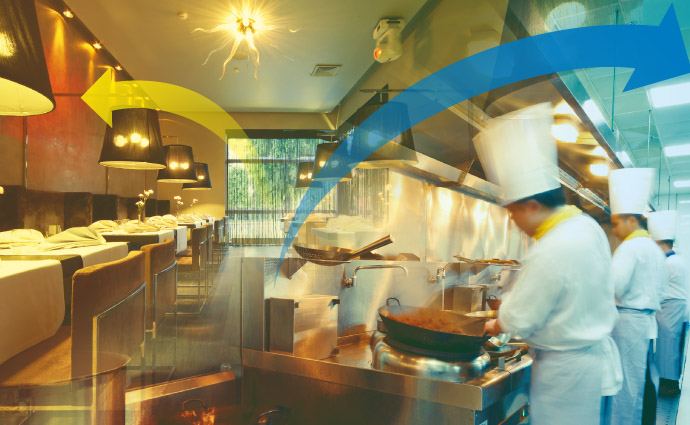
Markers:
(676, 411)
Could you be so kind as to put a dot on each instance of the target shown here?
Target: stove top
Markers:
(392, 356)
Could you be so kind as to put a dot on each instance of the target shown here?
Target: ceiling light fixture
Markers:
(599, 151)
(245, 24)
(118, 67)
(670, 95)
(203, 178)
(681, 184)
(180, 165)
(564, 109)
(97, 45)
(600, 170)
(565, 133)
(24, 82)
(68, 14)
(677, 150)
(134, 141)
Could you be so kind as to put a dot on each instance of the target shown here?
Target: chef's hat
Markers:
(662, 225)
(629, 190)
(519, 154)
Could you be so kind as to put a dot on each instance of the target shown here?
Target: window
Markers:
(261, 186)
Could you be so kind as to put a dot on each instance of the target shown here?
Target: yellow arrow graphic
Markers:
(106, 95)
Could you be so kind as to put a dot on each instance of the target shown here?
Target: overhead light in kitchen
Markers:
(134, 141)
(97, 45)
(397, 152)
(670, 95)
(68, 14)
(203, 178)
(564, 132)
(599, 151)
(24, 82)
(681, 184)
(179, 160)
(323, 153)
(564, 109)
(593, 112)
(246, 24)
(677, 150)
(600, 170)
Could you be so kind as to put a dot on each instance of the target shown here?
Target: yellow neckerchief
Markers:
(639, 233)
(563, 213)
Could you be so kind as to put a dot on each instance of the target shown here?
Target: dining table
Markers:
(33, 307)
(69, 260)
(137, 240)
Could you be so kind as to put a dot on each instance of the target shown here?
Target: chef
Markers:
(561, 303)
(673, 314)
(638, 279)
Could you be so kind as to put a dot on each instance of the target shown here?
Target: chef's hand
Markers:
(493, 327)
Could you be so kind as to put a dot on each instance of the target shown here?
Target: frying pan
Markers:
(331, 255)
(470, 341)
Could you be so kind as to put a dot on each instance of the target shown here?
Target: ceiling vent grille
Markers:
(325, 70)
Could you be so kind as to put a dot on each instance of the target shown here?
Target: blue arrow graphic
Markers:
(657, 53)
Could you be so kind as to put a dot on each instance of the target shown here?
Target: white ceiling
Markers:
(631, 110)
(152, 43)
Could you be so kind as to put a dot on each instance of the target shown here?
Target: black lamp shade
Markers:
(180, 165)
(323, 153)
(399, 151)
(134, 141)
(24, 82)
(203, 178)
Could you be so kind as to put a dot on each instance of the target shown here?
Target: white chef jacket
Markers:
(639, 275)
(676, 278)
(563, 297)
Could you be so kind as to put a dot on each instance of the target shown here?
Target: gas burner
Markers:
(392, 356)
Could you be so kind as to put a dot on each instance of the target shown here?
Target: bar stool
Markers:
(80, 371)
(161, 297)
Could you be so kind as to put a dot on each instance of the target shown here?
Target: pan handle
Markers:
(392, 299)
(386, 240)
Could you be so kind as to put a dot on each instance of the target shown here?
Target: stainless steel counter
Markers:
(352, 367)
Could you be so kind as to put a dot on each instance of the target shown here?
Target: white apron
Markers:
(668, 346)
(633, 335)
(566, 386)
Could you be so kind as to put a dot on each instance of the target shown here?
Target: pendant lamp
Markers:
(134, 141)
(397, 152)
(323, 153)
(305, 173)
(203, 178)
(24, 82)
(179, 161)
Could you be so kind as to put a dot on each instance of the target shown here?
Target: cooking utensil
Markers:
(483, 315)
(493, 302)
(493, 261)
(470, 341)
(331, 255)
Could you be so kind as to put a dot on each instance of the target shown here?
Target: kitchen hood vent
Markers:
(325, 70)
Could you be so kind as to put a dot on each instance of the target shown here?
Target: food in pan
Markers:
(432, 322)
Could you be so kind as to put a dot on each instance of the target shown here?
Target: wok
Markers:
(469, 336)
(331, 255)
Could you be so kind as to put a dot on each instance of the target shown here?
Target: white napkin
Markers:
(104, 226)
(165, 222)
(73, 238)
(135, 226)
(19, 237)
